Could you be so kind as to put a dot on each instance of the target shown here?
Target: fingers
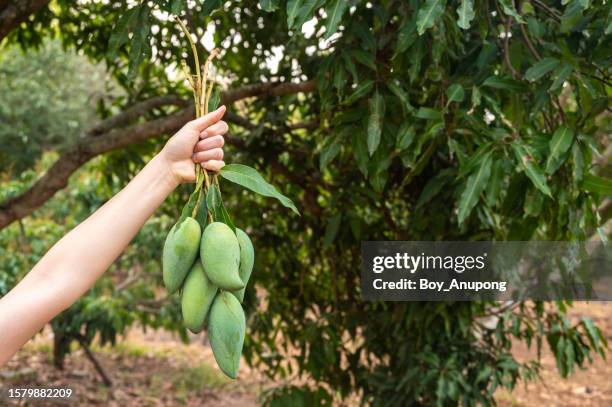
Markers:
(218, 128)
(209, 143)
(213, 165)
(208, 155)
(207, 120)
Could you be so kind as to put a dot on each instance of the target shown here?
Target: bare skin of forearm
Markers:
(68, 270)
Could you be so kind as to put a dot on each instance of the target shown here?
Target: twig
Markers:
(107, 381)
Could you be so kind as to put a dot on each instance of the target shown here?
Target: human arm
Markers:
(77, 260)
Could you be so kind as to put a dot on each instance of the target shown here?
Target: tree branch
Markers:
(103, 139)
(15, 12)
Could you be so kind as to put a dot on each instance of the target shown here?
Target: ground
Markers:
(156, 369)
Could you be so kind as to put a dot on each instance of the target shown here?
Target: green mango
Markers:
(180, 251)
(220, 254)
(196, 298)
(226, 326)
(247, 259)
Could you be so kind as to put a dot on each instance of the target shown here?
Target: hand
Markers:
(199, 141)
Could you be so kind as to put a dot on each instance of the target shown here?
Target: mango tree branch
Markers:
(102, 139)
(15, 12)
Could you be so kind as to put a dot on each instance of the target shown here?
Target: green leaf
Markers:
(559, 145)
(495, 182)
(434, 186)
(401, 94)
(249, 178)
(428, 113)
(215, 99)
(360, 151)
(268, 5)
(599, 185)
(331, 231)
(375, 121)
(466, 14)
(202, 211)
(293, 6)
(475, 184)
(334, 16)
(360, 91)
(405, 136)
(406, 37)
(330, 150)
(498, 82)
(541, 68)
(511, 11)
(121, 31)
(428, 14)
(455, 93)
(140, 46)
(306, 12)
(209, 6)
(561, 74)
(532, 170)
(215, 206)
(364, 58)
(190, 205)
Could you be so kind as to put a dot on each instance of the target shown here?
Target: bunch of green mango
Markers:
(211, 270)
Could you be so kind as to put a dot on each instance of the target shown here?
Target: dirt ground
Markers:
(156, 369)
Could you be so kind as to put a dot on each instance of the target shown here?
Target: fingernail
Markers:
(220, 107)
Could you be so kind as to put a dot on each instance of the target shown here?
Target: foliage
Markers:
(48, 98)
(433, 120)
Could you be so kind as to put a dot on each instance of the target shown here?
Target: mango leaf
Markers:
(334, 16)
(466, 14)
(561, 74)
(360, 151)
(455, 93)
(140, 47)
(190, 205)
(531, 168)
(428, 113)
(121, 31)
(434, 186)
(599, 185)
(541, 68)
(293, 6)
(249, 178)
(401, 94)
(375, 121)
(495, 182)
(406, 37)
(209, 6)
(559, 145)
(360, 91)
(202, 211)
(511, 11)
(498, 82)
(364, 58)
(268, 5)
(214, 100)
(428, 14)
(330, 150)
(331, 231)
(475, 184)
(306, 12)
(215, 206)
(405, 136)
